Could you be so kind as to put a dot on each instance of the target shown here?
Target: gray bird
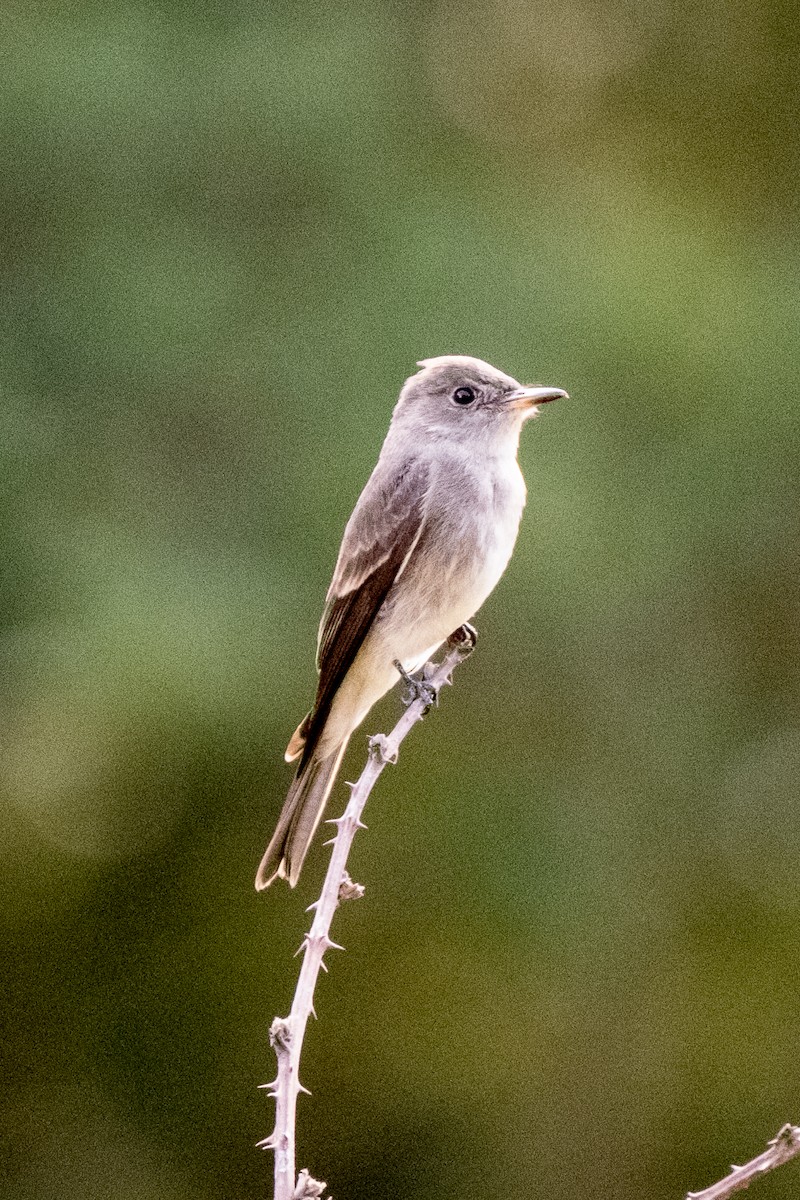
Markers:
(428, 540)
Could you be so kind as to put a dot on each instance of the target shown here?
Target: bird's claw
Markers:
(417, 687)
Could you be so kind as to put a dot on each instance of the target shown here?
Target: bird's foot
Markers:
(465, 636)
(417, 687)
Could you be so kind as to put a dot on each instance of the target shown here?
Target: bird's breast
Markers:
(478, 512)
(470, 528)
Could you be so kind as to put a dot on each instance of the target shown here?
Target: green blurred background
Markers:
(228, 232)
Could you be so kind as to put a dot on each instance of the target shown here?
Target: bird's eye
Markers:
(463, 395)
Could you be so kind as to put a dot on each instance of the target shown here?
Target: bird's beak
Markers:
(530, 397)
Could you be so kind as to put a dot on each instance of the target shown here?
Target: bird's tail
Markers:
(300, 816)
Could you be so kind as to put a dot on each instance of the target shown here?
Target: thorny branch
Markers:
(785, 1145)
(286, 1033)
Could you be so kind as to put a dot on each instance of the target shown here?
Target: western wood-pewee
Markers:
(428, 540)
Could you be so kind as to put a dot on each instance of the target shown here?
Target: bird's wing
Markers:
(380, 537)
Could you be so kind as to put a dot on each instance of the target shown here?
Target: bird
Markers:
(428, 540)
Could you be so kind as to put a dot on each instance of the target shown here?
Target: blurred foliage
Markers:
(228, 232)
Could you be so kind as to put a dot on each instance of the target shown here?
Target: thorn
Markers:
(329, 945)
(312, 906)
(303, 946)
(360, 824)
(335, 820)
(267, 1143)
(313, 1011)
(302, 1089)
(329, 842)
(273, 1084)
(325, 969)
(349, 783)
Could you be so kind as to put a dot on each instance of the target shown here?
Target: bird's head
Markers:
(455, 396)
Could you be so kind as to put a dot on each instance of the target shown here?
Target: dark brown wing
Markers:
(378, 541)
